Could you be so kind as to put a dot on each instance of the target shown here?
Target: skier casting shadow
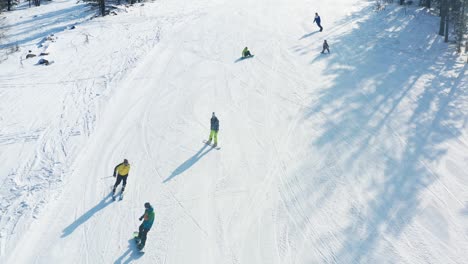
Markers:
(308, 34)
(86, 216)
(132, 253)
(189, 163)
(318, 21)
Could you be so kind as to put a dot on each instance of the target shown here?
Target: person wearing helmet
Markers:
(246, 53)
(214, 130)
(148, 219)
(121, 172)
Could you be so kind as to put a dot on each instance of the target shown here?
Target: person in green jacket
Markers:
(148, 219)
(246, 53)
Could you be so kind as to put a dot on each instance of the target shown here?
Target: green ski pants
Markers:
(214, 134)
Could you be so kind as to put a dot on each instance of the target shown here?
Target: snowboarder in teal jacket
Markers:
(148, 219)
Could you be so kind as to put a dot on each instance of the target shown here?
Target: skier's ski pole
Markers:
(107, 177)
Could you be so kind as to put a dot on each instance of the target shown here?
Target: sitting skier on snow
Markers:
(246, 53)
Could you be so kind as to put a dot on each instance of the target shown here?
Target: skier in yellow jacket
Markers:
(121, 172)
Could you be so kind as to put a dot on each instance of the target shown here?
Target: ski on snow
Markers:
(209, 144)
(120, 195)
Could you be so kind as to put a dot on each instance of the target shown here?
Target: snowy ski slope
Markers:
(358, 156)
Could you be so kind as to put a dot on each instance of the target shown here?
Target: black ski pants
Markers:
(142, 231)
(320, 26)
(120, 179)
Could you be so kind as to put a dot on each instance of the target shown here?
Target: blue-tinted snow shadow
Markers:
(27, 5)
(86, 216)
(243, 58)
(309, 34)
(55, 21)
(189, 163)
(465, 210)
(132, 253)
(239, 59)
(356, 120)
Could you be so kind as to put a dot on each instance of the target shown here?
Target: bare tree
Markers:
(425, 3)
(443, 17)
(8, 4)
(447, 16)
(459, 22)
(102, 7)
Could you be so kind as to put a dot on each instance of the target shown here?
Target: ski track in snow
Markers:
(356, 156)
(56, 137)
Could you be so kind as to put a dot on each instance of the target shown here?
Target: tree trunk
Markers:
(441, 7)
(102, 6)
(443, 14)
(448, 12)
(446, 27)
(9, 5)
(459, 22)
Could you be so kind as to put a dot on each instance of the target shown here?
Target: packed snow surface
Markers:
(357, 156)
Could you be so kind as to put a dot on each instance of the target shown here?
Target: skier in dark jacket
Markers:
(325, 47)
(317, 20)
(148, 219)
(121, 172)
(214, 130)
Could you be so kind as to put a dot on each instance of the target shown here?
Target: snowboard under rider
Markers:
(325, 47)
(317, 20)
(246, 53)
(214, 130)
(121, 172)
(145, 227)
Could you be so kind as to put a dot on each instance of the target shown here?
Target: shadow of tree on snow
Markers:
(43, 25)
(397, 111)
